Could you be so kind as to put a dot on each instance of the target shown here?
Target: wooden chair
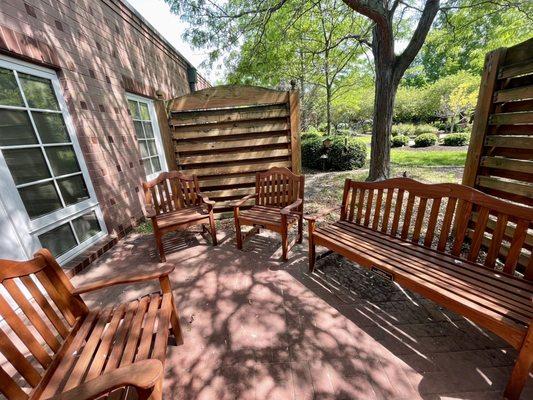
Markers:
(56, 347)
(279, 202)
(174, 201)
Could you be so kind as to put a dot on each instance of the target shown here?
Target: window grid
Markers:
(42, 146)
(146, 139)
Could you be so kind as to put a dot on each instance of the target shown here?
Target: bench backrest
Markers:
(37, 313)
(279, 187)
(172, 191)
(450, 218)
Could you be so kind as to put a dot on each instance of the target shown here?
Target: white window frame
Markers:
(28, 229)
(157, 133)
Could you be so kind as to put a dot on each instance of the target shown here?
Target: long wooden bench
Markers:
(446, 242)
(54, 346)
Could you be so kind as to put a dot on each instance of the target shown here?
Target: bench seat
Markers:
(465, 287)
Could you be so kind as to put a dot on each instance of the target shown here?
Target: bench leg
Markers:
(164, 281)
(213, 229)
(155, 393)
(521, 369)
(312, 250)
(284, 245)
(238, 233)
(160, 248)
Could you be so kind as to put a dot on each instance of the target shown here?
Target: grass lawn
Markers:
(436, 156)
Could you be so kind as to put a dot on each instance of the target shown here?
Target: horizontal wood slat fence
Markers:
(227, 134)
(500, 155)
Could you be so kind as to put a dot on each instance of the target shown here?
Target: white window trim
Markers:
(157, 133)
(11, 198)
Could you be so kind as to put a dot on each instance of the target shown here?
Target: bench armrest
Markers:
(320, 215)
(288, 209)
(206, 200)
(240, 202)
(148, 276)
(143, 375)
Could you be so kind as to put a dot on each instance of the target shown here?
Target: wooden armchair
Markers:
(77, 353)
(174, 201)
(279, 199)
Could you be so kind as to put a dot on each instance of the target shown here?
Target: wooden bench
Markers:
(424, 238)
(55, 347)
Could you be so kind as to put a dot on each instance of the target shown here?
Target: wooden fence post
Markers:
(166, 136)
(294, 107)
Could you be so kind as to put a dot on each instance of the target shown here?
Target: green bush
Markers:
(311, 132)
(312, 149)
(399, 141)
(403, 129)
(426, 140)
(424, 128)
(456, 139)
(346, 153)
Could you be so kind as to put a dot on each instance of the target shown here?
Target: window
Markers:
(148, 135)
(45, 174)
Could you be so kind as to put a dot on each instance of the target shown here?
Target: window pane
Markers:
(26, 165)
(156, 164)
(62, 160)
(145, 115)
(148, 167)
(86, 226)
(39, 92)
(73, 189)
(144, 148)
(15, 128)
(40, 199)
(148, 129)
(151, 147)
(138, 129)
(51, 127)
(9, 91)
(58, 240)
(133, 109)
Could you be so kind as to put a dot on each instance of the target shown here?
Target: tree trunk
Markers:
(385, 91)
(328, 109)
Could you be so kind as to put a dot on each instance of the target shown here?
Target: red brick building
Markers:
(78, 127)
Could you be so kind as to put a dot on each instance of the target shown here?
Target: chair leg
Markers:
(284, 245)
(160, 248)
(213, 228)
(521, 369)
(312, 250)
(238, 233)
(300, 230)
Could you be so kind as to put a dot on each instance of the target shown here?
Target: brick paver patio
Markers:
(255, 328)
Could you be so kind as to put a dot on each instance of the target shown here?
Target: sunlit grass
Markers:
(428, 158)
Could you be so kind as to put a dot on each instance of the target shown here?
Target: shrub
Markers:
(312, 149)
(346, 153)
(456, 139)
(311, 132)
(399, 141)
(426, 140)
(403, 129)
(424, 128)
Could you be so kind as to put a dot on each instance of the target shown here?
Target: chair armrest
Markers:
(142, 375)
(321, 215)
(148, 276)
(287, 210)
(206, 200)
(240, 202)
(150, 211)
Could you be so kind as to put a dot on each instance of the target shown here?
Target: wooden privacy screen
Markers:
(500, 156)
(226, 134)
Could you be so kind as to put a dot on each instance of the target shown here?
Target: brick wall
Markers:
(100, 49)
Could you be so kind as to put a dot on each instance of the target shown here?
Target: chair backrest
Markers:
(450, 218)
(279, 187)
(37, 311)
(172, 191)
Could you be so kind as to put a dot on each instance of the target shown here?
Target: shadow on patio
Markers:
(255, 328)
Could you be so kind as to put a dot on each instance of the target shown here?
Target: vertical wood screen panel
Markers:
(227, 134)
(500, 155)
